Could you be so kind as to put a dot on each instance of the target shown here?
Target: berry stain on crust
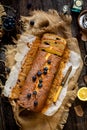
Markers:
(49, 61)
(35, 103)
(29, 95)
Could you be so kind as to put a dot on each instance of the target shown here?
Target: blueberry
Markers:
(45, 72)
(40, 80)
(9, 23)
(40, 85)
(29, 95)
(39, 73)
(32, 23)
(35, 103)
(34, 92)
(45, 68)
(34, 78)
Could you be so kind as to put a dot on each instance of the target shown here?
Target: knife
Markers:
(62, 84)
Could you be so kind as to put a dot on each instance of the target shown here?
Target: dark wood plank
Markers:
(73, 122)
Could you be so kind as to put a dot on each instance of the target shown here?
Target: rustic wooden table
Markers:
(23, 7)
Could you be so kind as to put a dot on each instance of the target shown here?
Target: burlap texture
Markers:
(37, 121)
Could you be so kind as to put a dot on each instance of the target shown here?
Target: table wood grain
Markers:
(23, 7)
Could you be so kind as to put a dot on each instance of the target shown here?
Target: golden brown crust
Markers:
(57, 81)
(27, 119)
(35, 92)
(25, 68)
(39, 64)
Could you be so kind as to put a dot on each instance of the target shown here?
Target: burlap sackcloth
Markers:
(37, 121)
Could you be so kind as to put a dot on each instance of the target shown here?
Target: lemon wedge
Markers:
(82, 94)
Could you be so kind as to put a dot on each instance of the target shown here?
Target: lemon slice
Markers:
(82, 94)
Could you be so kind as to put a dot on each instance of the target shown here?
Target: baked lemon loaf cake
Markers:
(38, 83)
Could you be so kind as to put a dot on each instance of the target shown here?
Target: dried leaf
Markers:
(79, 111)
(85, 79)
(84, 36)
